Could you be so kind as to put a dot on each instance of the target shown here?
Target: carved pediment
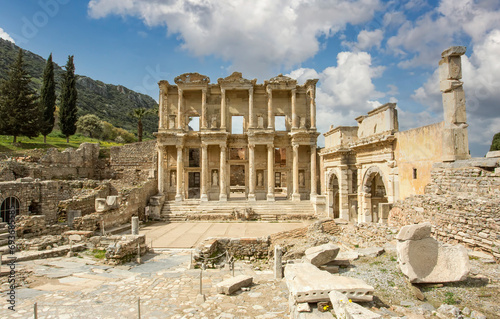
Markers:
(282, 79)
(192, 78)
(236, 78)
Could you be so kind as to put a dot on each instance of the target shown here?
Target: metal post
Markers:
(201, 281)
(232, 263)
(139, 308)
(35, 314)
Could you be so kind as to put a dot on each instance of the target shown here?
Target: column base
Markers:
(296, 197)
(270, 197)
(312, 197)
(178, 198)
(222, 198)
(203, 198)
(251, 198)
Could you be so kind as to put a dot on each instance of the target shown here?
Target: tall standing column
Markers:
(250, 108)
(204, 172)
(180, 114)
(270, 118)
(313, 109)
(270, 172)
(161, 177)
(180, 173)
(343, 193)
(223, 109)
(204, 123)
(251, 172)
(296, 194)
(222, 175)
(313, 172)
(160, 109)
(294, 109)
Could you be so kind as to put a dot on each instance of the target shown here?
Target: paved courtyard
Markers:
(188, 235)
(83, 288)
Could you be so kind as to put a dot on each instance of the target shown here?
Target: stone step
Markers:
(4, 241)
(4, 235)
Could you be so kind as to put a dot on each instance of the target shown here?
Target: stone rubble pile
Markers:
(425, 260)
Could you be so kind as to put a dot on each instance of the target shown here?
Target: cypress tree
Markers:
(68, 109)
(19, 108)
(48, 99)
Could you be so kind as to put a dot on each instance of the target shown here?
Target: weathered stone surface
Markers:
(322, 254)
(306, 283)
(454, 51)
(135, 225)
(429, 261)
(493, 154)
(348, 255)
(233, 284)
(303, 307)
(415, 232)
(345, 309)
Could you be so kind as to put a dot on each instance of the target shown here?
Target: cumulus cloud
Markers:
(367, 40)
(4, 35)
(344, 91)
(424, 39)
(482, 91)
(255, 36)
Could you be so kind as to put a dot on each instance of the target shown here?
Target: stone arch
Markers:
(8, 204)
(333, 193)
(374, 192)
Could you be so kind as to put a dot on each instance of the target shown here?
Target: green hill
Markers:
(111, 103)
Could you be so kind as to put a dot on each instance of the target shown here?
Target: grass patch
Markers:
(99, 253)
(54, 139)
(449, 298)
(393, 258)
(375, 263)
(383, 270)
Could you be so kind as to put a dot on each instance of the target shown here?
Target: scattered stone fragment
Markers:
(306, 283)
(371, 251)
(233, 284)
(322, 254)
(425, 260)
(448, 311)
(324, 306)
(303, 307)
(343, 307)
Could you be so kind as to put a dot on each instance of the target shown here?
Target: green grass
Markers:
(54, 139)
(449, 298)
(99, 254)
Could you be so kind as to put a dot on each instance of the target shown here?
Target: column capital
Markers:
(295, 146)
(204, 90)
(204, 145)
(270, 146)
(269, 90)
(179, 90)
(252, 146)
(294, 91)
(222, 90)
(178, 146)
(250, 90)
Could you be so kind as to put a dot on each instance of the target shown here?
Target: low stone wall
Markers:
(462, 202)
(84, 203)
(35, 226)
(213, 250)
(134, 162)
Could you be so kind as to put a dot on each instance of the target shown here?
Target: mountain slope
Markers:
(111, 103)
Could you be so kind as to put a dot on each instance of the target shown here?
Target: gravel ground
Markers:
(480, 292)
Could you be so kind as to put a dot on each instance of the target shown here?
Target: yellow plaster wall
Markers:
(417, 148)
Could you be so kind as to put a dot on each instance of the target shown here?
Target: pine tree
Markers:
(19, 108)
(68, 109)
(48, 99)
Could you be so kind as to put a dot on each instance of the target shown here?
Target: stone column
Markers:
(180, 173)
(204, 172)
(343, 193)
(180, 113)
(295, 123)
(314, 191)
(251, 172)
(135, 225)
(313, 109)
(455, 136)
(270, 172)
(360, 193)
(161, 172)
(296, 193)
(160, 109)
(278, 266)
(223, 109)
(204, 123)
(222, 175)
(251, 123)
(270, 117)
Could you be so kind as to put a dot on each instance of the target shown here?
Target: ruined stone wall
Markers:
(134, 162)
(461, 202)
(417, 149)
(240, 248)
(86, 202)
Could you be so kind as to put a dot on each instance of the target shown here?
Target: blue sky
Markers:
(365, 52)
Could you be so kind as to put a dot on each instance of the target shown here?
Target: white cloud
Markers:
(254, 35)
(367, 40)
(345, 91)
(4, 35)
(482, 91)
(444, 26)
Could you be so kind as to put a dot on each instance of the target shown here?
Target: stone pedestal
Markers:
(135, 225)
